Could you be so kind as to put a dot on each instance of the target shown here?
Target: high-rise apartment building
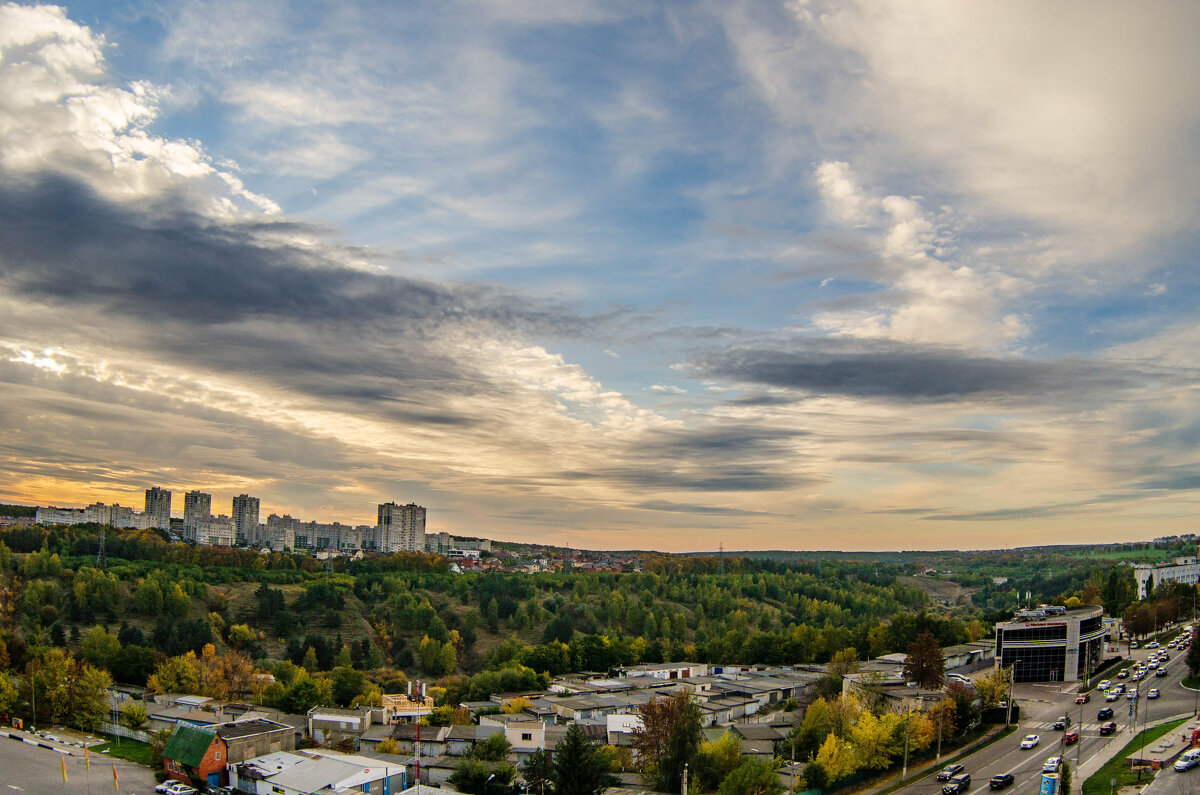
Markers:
(158, 508)
(197, 508)
(245, 519)
(401, 528)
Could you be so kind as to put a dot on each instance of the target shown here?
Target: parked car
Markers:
(176, 788)
(1133, 644)
(1188, 759)
(1030, 741)
(1083, 698)
(949, 771)
(1105, 712)
(1052, 764)
(1071, 737)
(958, 784)
(1063, 722)
(1108, 728)
(1001, 781)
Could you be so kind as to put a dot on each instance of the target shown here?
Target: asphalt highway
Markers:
(1041, 705)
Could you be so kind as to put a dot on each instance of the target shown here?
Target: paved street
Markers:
(27, 768)
(1042, 704)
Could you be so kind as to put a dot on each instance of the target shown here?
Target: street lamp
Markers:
(1012, 677)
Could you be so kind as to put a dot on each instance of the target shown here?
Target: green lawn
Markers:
(1098, 783)
(129, 750)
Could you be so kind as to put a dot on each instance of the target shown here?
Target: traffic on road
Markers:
(1060, 724)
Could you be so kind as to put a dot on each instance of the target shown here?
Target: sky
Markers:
(615, 275)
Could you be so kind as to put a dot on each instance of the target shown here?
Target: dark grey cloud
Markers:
(891, 371)
(234, 297)
(706, 510)
(1175, 479)
(62, 243)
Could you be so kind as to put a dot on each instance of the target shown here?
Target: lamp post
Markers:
(1012, 678)
(907, 719)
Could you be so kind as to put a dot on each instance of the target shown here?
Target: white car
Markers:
(1153, 693)
(1052, 764)
(1105, 684)
(1030, 741)
(1133, 694)
(1188, 759)
(176, 788)
(1153, 644)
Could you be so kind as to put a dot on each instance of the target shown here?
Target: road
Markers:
(1042, 704)
(29, 769)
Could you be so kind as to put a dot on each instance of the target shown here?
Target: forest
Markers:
(188, 619)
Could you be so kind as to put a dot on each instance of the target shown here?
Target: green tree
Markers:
(538, 773)
(479, 778)
(10, 696)
(99, 647)
(347, 684)
(579, 768)
(815, 775)
(133, 716)
(494, 749)
(1193, 657)
(752, 777)
(925, 664)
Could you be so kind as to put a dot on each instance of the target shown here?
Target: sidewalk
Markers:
(1114, 747)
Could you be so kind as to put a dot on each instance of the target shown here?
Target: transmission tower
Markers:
(101, 559)
(721, 558)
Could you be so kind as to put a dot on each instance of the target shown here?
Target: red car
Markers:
(1083, 698)
(1070, 738)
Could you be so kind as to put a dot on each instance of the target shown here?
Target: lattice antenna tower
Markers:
(101, 559)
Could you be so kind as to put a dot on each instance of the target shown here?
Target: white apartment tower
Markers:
(158, 508)
(197, 508)
(245, 519)
(401, 528)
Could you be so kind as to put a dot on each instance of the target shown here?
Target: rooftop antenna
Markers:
(101, 559)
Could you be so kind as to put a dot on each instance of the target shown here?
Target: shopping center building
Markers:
(1051, 644)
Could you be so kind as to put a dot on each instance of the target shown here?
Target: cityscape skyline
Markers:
(805, 275)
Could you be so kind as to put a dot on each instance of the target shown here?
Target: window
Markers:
(526, 736)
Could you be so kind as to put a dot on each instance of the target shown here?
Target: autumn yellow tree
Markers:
(992, 687)
(837, 757)
(877, 740)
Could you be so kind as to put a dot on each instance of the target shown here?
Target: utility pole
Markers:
(907, 718)
(941, 712)
(1012, 677)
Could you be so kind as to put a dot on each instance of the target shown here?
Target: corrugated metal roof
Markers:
(188, 744)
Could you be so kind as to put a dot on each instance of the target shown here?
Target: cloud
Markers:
(916, 373)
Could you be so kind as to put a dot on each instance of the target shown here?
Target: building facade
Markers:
(196, 506)
(1051, 648)
(158, 508)
(245, 519)
(401, 528)
(1185, 570)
